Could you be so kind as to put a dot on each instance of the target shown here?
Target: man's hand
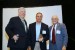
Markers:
(15, 37)
(29, 48)
(63, 48)
(40, 38)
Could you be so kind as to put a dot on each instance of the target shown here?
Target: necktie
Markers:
(53, 36)
(25, 25)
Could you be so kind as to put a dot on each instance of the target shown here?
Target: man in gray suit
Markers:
(58, 35)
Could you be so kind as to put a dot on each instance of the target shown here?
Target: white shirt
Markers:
(51, 31)
(38, 28)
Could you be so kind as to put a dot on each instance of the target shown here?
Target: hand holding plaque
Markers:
(40, 38)
(29, 48)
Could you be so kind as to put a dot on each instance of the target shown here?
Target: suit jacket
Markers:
(62, 37)
(32, 32)
(15, 26)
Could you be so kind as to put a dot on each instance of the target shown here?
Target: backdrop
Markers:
(47, 11)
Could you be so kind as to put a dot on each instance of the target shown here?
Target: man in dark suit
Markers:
(17, 31)
(38, 33)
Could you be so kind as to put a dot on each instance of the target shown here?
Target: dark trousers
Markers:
(18, 49)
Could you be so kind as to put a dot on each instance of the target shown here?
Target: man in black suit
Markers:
(38, 33)
(17, 31)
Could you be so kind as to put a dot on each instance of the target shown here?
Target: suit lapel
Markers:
(41, 28)
(50, 31)
(57, 28)
(34, 28)
(20, 22)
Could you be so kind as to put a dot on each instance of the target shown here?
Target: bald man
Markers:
(58, 35)
(16, 29)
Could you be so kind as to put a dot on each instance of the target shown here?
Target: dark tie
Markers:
(53, 36)
(25, 26)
